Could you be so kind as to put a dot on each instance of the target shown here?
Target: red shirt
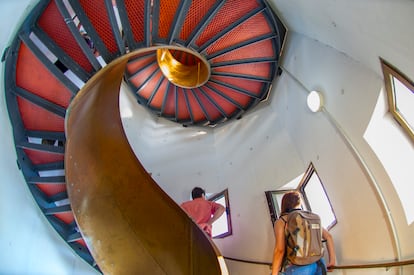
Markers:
(201, 210)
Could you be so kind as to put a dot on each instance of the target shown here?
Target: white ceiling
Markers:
(362, 29)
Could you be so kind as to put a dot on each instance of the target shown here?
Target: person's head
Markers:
(290, 201)
(197, 193)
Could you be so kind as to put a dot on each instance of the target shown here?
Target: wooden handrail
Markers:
(375, 265)
(247, 261)
(356, 266)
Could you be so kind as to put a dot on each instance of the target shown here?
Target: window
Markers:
(400, 93)
(314, 197)
(391, 141)
(222, 226)
(274, 200)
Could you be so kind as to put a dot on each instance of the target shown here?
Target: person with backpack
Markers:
(298, 233)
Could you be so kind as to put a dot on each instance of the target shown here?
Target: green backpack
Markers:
(303, 233)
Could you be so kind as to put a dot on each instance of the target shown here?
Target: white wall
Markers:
(28, 243)
(248, 156)
(362, 30)
(359, 213)
(275, 143)
(260, 152)
(336, 49)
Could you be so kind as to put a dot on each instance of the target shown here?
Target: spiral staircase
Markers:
(229, 49)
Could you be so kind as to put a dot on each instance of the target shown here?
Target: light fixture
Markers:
(315, 101)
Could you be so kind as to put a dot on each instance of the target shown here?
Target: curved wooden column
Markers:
(129, 224)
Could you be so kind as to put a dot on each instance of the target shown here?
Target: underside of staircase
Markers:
(62, 44)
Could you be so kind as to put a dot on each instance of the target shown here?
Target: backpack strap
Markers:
(285, 261)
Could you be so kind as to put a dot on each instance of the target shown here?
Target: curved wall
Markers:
(282, 140)
(274, 144)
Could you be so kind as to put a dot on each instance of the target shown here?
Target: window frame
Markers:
(390, 73)
(215, 197)
(274, 209)
(306, 205)
(302, 185)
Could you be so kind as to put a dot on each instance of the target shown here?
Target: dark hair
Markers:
(290, 201)
(197, 192)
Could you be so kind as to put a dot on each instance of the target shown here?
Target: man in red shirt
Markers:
(202, 211)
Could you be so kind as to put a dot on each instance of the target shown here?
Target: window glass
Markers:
(318, 201)
(404, 101)
(390, 134)
(400, 93)
(314, 198)
(274, 199)
(222, 226)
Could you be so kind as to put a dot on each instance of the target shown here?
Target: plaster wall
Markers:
(248, 157)
(359, 33)
(334, 141)
(362, 30)
(260, 152)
